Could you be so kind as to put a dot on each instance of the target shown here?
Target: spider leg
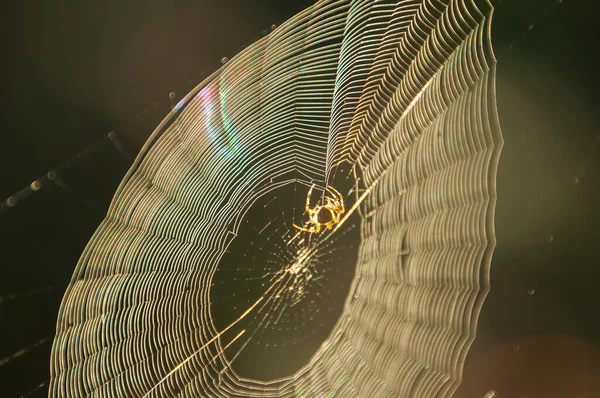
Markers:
(307, 207)
(335, 192)
(314, 229)
(335, 218)
(301, 228)
(337, 196)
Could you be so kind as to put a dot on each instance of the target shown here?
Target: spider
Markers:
(333, 204)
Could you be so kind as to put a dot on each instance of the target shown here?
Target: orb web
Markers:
(390, 102)
(300, 315)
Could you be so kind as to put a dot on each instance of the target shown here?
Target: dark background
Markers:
(73, 71)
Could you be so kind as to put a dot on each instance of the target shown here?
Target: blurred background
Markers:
(84, 84)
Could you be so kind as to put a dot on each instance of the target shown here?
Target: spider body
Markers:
(331, 211)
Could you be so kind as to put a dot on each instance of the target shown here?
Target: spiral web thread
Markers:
(403, 92)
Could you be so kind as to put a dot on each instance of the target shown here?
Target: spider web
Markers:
(298, 316)
(188, 278)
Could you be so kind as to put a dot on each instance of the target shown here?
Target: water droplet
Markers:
(12, 201)
(224, 60)
(575, 180)
(550, 239)
(36, 185)
(172, 95)
(356, 296)
(490, 394)
(531, 291)
(112, 135)
(273, 27)
(51, 175)
(530, 27)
